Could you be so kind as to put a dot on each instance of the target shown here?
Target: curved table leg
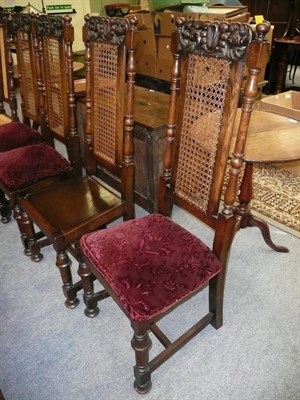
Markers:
(245, 196)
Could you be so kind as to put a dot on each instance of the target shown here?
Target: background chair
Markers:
(7, 84)
(151, 265)
(39, 165)
(24, 38)
(65, 212)
(26, 45)
(13, 133)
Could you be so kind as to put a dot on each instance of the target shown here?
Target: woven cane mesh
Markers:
(105, 100)
(54, 84)
(26, 70)
(207, 81)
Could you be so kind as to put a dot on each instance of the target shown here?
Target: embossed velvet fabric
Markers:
(16, 134)
(150, 263)
(27, 165)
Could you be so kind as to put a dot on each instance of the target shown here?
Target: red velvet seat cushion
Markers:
(16, 134)
(151, 263)
(27, 165)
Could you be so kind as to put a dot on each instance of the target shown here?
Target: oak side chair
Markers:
(40, 165)
(7, 84)
(151, 265)
(13, 133)
(65, 212)
(26, 45)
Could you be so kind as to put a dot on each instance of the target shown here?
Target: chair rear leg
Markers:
(216, 297)
(63, 263)
(141, 344)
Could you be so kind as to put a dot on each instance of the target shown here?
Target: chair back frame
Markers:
(7, 83)
(222, 49)
(109, 119)
(58, 104)
(26, 49)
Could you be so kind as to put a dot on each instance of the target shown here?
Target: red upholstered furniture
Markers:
(12, 136)
(7, 84)
(39, 165)
(173, 263)
(151, 265)
(67, 211)
(17, 134)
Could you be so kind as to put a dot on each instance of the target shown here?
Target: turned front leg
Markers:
(63, 263)
(141, 345)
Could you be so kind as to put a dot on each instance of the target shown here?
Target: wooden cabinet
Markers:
(275, 11)
(150, 115)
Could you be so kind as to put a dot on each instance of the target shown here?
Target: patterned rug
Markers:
(276, 197)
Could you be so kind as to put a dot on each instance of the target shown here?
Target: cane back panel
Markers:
(54, 72)
(205, 93)
(107, 110)
(55, 85)
(26, 57)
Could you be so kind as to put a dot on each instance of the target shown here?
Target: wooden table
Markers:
(279, 62)
(150, 114)
(272, 139)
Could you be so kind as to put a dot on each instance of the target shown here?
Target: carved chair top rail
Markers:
(222, 39)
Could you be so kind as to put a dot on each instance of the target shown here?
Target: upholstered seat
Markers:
(17, 134)
(28, 165)
(172, 263)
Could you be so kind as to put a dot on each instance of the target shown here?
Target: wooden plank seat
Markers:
(66, 211)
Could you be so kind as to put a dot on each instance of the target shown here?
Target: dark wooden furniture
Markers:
(285, 50)
(284, 15)
(151, 265)
(150, 116)
(39, 165)
(280, 60)
(14, 134)
(277, 12)
(271, 139)
(66, 211)
(7, 85)
(26, 51)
